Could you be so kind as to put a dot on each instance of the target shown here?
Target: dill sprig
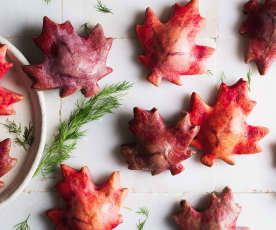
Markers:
(47, 1)
(25, 138)
(141, 223)
(222, 77)
(143, 212)
(23, 225)
(85, 28)
(100, 7)
(129, 209)
(69, 130)
(209, 73)
(249, 79)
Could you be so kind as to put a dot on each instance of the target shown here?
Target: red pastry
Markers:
(158, 147)
(223, 128)
(170, 49)
(71, 62)
(222, 213)
(88, 207)
(6, 162)
(261, 31)
(7, 97)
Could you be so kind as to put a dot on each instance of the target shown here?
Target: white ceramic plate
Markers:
(32, 109)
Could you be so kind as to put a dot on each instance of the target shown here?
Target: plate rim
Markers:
(41, 101)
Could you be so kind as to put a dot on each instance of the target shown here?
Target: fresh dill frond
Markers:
(129, 209)
(222, 77)
(143, 211)
(69, 131)
(100, 7)
(249, 79)
(47, 1)
(24, 139)
(85, 27)
(209, 73)
(23, 225)
(141, 223)
(13, 127)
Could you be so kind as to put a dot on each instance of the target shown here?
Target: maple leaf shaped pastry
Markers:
(88, 207)
(158, 147)
(261, 31)
(6, 162)
(222, 214)
(223, 128)
(170, 49)
(71, 62)
(7, 97)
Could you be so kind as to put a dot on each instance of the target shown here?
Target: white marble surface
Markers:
(253, 177)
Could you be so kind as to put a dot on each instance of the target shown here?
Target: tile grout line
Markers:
(115, 38)
(60, 111)
(31, 35)
(29, 191)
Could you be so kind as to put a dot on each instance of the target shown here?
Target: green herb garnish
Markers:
(249, 78)
(222, 77)
(209, 72)
(85, 28)
(141, 223)
(100, 7)
(69, 131)
(129, 209)
(24, 139)
(143, 212)
(23, 225)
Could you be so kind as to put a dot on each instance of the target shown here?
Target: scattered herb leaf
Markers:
(141, 223)
(209, 72)
(249, 79)
(129, 209)
(23, 225)
(69, 130)
(24, 139)
(85, 28)
(222, 77)
(100, 7)
(143, 212)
